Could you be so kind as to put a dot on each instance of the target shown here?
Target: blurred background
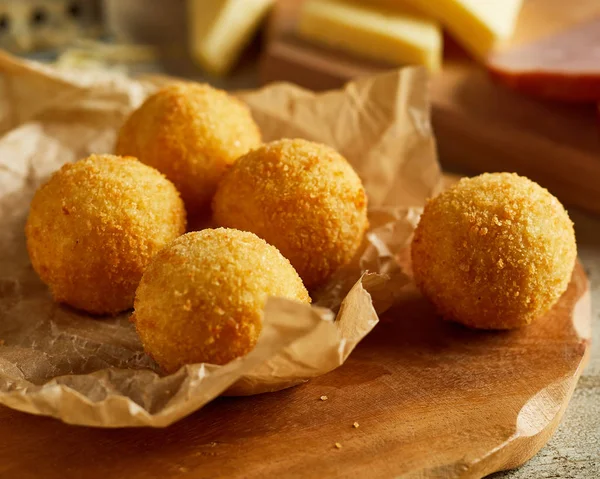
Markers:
(134, 36)
(515, 84)
(316, 43)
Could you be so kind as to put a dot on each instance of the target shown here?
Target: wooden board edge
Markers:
(518, 449)
(574, 181)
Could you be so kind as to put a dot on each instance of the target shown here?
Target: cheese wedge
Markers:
(401, 36)
(478, 25)
(220, 29)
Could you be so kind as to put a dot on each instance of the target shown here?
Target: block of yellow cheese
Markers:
(220, 29)
(478, 25)
(400, 36)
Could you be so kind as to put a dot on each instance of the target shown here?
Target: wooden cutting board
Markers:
(431, 399)
(480, 125)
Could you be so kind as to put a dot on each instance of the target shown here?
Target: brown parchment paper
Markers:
(58, 362)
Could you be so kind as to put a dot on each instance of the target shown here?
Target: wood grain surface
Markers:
(480, 125)
(431, 399)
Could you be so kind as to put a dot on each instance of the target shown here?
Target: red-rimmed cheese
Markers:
(564, 66)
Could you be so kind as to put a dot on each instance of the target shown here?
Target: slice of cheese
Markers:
(478, 25)
(399, 36)
(220, 29)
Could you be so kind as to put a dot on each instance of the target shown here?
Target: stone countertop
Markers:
(574, 450)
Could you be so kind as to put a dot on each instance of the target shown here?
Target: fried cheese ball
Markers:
(494, 252)
(95, 225)
(191, 133)
(302, 197)
(202, 298)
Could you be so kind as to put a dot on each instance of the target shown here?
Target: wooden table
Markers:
(32, 447)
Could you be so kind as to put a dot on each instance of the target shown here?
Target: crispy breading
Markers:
(201, 299)
(302, 197)
(95, 225)
(494, 252)
(190, 132)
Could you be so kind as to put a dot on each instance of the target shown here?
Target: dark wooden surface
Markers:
(432, 399)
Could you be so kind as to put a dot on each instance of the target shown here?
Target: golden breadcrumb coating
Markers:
(302, 197)
(95, 225)
(494, 252)
(202, 298)
(191, 133)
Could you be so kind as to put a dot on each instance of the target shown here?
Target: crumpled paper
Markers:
(59, 362)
